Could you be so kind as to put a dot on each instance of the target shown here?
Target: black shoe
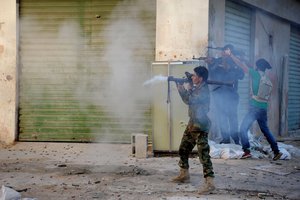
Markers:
(277, 156)
(225, 142)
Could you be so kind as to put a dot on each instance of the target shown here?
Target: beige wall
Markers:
(181, 29)
(8, 78)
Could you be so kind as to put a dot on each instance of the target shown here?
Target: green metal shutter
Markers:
(294, 82)
(238, 33)
(65, 69)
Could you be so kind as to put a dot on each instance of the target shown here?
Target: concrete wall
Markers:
(8, 75)
(216, 23)
(181, 29)
(287, 9)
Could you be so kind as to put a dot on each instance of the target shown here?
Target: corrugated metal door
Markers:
(294, 82)
(82, 65)
(238, 33)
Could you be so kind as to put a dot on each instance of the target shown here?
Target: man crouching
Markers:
(197, 97)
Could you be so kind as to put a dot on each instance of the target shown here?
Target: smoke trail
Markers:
(124, 94)
(155, 79)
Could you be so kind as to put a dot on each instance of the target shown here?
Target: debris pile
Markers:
(259, 150)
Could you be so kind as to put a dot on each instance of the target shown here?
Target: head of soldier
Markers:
(200, 75)
(227, 61)
(227, 49)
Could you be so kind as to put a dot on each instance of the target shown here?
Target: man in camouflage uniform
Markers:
(197, 97)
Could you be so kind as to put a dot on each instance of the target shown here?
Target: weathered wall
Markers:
(287, 9)
(216, 23)
(181, 29)
(269, 44)
(8, 78)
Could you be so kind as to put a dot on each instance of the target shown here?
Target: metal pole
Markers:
(283, 125)
(169, 111)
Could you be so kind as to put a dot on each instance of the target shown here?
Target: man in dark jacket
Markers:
(226, 98)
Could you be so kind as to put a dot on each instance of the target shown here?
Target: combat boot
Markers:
(208, 186)
(183, 177)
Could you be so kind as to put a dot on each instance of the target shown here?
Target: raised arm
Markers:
(239, 63)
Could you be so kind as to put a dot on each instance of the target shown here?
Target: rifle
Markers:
(200, 58)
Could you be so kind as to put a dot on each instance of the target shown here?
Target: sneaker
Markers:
(246, 155)
(277, 156)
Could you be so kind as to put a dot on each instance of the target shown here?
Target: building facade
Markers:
(72, 70)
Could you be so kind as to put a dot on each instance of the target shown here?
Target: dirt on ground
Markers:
(108, 171)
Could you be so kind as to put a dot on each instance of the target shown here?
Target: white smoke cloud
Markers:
(155, 79)
(128, 68)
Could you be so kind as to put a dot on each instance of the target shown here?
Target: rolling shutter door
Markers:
(238, 33)
(294, 82)
(79, 63)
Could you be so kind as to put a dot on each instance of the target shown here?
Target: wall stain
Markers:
(9, 77)
(1, 49)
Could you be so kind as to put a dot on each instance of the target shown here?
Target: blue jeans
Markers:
(260, 115)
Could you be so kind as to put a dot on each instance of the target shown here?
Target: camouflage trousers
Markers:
(190, 138)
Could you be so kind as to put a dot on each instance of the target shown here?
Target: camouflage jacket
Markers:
(198, 99)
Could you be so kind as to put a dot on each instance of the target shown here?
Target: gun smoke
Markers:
(155, 79)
